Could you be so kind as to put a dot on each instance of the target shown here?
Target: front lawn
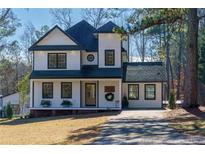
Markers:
(193, 127)
(190, 121)
(75, 129)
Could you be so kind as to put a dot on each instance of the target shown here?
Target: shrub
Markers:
(172, 99)
(9, 111)
(66, 103)
(46, 103)
(125, 102)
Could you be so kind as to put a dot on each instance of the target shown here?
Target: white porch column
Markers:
(120, 94)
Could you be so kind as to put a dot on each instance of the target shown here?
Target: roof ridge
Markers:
(82, 21)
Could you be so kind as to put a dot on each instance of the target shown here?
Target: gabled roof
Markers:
(33, 47)
(107, 28)
(83, 32)
(91, 71)
(144, 72)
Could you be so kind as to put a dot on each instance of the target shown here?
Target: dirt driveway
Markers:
(143, 127)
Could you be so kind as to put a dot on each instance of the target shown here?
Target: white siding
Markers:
(77, 96)
(41, 59)
(57, 100)
(86, 62)
(106, 42)
(117, 98)
(142, 103)
(13, 99)
(56, 37)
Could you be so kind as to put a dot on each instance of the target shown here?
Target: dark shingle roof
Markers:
(83, 32)
(107, 28)
(86, 72)
(144, 72)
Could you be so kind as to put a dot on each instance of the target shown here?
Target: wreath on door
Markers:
(109, 96)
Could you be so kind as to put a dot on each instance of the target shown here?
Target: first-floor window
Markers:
(66, 90)
(150, 91)
(47, 90)
(133, 91)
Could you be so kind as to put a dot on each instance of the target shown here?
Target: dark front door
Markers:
(90, 94)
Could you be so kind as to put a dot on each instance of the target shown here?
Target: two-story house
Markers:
(89, 68)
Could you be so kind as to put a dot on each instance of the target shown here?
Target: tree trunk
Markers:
(191, 77)
(167, 61)
(143, 46)
(179, 66)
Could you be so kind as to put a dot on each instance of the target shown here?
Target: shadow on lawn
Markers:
(196, 112)
(44, 119)
(82, 136)
(191, 114)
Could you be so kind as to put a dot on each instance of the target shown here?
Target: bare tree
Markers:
(62, 17)
(140, 43)
(30, 36)
(96, 17)
(27, 39)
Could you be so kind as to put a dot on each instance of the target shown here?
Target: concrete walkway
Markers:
(143, 127)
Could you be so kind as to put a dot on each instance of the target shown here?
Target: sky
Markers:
(39, 17)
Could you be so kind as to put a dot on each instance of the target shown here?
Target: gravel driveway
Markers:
(143, 127)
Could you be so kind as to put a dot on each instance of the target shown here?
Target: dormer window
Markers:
(109, 57)
(57, 61)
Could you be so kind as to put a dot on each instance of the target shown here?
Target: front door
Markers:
(90, 94)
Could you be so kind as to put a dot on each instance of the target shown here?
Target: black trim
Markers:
(142, 81)
(62, 89)
(43, 89)
(57, 55)
(145, 96)
(32, 93)
(55, 47)
(95, 94)
(129, 91)
(106, 63)
(81, 103)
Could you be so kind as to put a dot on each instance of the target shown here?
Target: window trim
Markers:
(112, 50)
(57, 60)
(91, 59)
(129, 91)
(145, 96)
(43, 90)
(62, 89)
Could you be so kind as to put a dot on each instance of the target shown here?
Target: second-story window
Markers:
(57, 61)
(109, 57)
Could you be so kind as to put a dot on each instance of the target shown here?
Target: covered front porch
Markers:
(84, 94)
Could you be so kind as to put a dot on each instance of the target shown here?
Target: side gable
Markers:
(55, 37)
